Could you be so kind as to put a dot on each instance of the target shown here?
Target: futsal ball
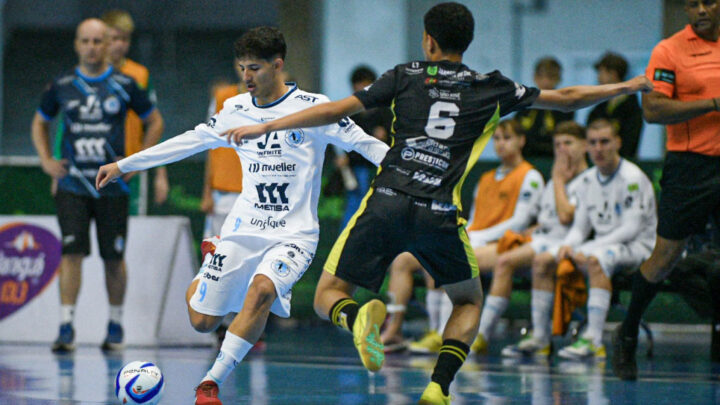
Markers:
(139, 382)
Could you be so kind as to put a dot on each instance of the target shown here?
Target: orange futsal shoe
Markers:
(207, 394)
(208, 245)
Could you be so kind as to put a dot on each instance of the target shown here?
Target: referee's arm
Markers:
(658, 108)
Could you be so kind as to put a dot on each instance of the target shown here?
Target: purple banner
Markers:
(29, 260)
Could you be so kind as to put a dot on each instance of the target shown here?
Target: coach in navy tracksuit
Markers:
(92, 100)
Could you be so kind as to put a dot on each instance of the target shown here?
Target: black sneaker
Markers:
(65, 342)
(623, 355)
(114, 339)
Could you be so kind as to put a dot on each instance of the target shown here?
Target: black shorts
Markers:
(111, 216)
(388, 223)
(690, 194)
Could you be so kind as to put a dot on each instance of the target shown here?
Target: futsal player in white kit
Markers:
(616, 200)
(269, 238)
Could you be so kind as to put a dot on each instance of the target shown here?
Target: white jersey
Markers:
(619, 208)
(281, 170)
(549, 225)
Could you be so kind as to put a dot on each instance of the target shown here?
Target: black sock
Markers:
(343, 313)
(643, 293)
(452, 356)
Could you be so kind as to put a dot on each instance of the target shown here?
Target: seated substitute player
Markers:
(414, 204)
(270, 237)
(557, 207)
(506, 198)
(616, 201)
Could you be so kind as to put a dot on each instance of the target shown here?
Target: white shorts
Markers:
(222, 205)
(476, 239)
(618, 257)
(542, 244)
(226, 276)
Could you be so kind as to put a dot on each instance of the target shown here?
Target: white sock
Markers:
(446, 307)
(233, 350)
(541, 305)
(116, 314)
(598, 304)
(67, 313)
(494, 307)
(432, 303)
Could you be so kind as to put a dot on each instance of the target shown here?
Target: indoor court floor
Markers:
(318, 366)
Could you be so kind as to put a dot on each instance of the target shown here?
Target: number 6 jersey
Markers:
(444, 115)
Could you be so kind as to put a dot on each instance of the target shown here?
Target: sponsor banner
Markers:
(160, 265)
(29, 261)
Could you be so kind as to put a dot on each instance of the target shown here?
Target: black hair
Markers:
(262, 42)
(362, 74)
(451, 25)
(615, 62)
(548, 66)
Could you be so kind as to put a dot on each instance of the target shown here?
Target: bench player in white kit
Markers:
(269, 238)
(616, 201)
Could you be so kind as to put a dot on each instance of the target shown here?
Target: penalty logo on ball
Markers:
(139, 382)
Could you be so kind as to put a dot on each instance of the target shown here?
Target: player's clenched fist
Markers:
(236, 134)
(641, 83)
(107, 174)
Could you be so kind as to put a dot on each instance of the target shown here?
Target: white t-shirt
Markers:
(281, 170)
(619, 208)
(549, 225)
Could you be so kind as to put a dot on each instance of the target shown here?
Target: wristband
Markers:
(715, 104)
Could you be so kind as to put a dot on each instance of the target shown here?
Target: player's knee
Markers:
(261, 292)
(203, 323)
(405, 263)
(474, 299)
(594, 268)
(542, 265)
(504, 267)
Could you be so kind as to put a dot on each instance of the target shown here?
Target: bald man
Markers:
(92, 100)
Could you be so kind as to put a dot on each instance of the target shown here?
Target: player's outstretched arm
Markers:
(575, 97)
(106, 174)
(322, 114)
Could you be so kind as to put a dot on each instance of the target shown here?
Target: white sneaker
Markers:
(529, 346)
(583, 349)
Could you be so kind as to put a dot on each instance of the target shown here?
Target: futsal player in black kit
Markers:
(444, 115)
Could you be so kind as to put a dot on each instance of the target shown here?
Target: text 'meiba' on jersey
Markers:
(444, 115)
(92, 127)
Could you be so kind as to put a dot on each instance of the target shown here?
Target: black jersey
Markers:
(92, 129)
(444, 114)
